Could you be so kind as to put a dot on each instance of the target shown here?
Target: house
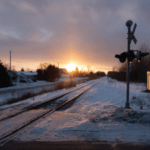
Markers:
(13, 75)
(23, 75)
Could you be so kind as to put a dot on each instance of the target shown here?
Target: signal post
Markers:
(128, 24)
(130, 56)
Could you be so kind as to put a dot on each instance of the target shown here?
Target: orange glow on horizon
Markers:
(71, 67)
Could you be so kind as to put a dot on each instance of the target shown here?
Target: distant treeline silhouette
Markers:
(138, 70)
(121, 76)
(96, 75)
(78, 73)
(49, 73)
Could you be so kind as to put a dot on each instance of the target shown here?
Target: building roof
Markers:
(27, 73)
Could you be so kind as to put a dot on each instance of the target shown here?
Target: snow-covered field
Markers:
(22, 88)
(99, 115)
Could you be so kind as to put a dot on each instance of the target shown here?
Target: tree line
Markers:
(47, 72)
(138, 70)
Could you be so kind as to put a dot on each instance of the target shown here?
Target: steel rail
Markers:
(7, 137)
(39, 104)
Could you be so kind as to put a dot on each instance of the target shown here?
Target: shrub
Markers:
(4, 77)
(71, 84)
(120, 76)
(59, 85)
(92, 75)
(34, 80)
(101, 74)
(19, 98)
(66, 84)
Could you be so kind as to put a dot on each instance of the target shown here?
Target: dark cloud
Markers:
(84, 31)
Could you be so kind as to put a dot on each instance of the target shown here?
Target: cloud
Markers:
(84, 31)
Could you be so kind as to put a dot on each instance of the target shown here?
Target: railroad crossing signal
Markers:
(132, 37)
(122, 57)
(130, 55)
(139, 55)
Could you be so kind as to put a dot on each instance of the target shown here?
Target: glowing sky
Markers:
(84, 32)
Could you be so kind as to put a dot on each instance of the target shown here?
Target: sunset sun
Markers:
(71, 67)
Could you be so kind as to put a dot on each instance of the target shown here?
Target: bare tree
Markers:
(28, 69)
(115, 68)
(43, 66)
(22, 69)
(13, 69)
(88, 67)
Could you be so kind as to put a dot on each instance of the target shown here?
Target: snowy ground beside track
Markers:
(99, 115)
(22, 88)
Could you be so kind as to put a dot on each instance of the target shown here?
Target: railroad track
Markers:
(4, 138)
(35, 105)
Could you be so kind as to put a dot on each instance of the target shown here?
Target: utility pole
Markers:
(10, 65)
(59, 71)
(10, 61)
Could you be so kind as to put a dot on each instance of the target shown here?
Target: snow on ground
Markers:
(15, 122)
(21, 85)
(8, 125)
(35, 87)
(38, 99)
(8, 109)
(99, 115)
